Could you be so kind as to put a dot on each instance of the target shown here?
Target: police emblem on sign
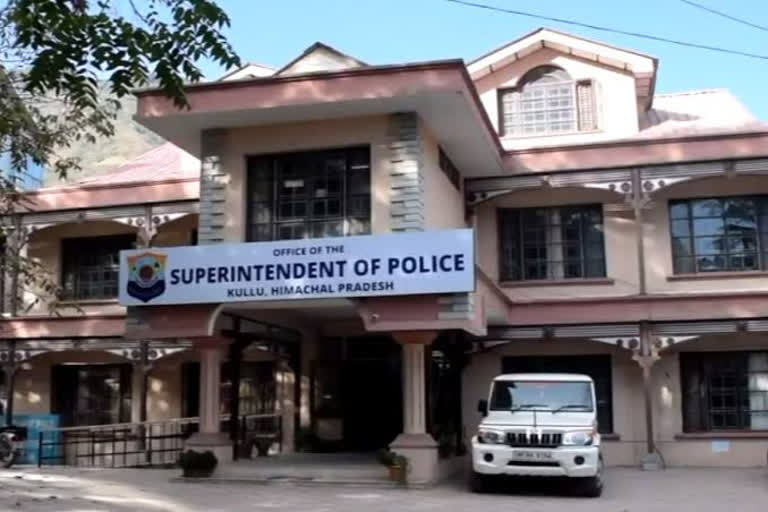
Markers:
(146, 275)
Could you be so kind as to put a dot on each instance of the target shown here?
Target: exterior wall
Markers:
(668, 411)
(164, 399)
(615, 98)
(33, 383)
(621, 257)
(658, 249)
(177, 232)
(242, 142)
(45, 247)
(628, 419)
(443, 204)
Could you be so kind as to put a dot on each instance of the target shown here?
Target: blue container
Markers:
(35, 423)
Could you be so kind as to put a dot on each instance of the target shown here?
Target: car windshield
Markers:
(548, 395)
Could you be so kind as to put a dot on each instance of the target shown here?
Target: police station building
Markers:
(359, 249)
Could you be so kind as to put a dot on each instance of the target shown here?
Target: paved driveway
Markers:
(700, 490)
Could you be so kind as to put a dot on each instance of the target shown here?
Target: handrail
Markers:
(179, 421)
(146, 443)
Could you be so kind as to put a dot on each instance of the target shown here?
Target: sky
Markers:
(272, 32)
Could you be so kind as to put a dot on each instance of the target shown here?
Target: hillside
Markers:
(130, 140)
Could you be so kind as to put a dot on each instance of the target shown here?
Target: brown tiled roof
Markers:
(165, 162)
(691, 113)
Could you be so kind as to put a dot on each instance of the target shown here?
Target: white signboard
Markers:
(357, 266)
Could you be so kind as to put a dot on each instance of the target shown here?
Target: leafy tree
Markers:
(65, 65)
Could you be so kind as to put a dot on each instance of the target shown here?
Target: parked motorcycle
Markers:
(12, 440)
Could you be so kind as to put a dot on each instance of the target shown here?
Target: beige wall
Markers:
(326, 134)
(33, 383)
(620, 246)
(668, 410)
(177, 232)
(44, 246)
(615, 94)
(443, 204)
(658, 243)
(621, 258)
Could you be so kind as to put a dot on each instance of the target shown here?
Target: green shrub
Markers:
(389, 458)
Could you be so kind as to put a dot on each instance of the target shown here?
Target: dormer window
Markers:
(547, 101)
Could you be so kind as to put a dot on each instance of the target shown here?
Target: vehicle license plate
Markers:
(531, 455)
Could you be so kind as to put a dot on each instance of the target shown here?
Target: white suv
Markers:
(539, 424)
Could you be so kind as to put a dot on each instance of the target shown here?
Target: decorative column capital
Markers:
(414, 337)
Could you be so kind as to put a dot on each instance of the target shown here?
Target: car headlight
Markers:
(490, 436)
(578, 438)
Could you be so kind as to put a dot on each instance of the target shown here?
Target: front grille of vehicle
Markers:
(533, 439)
(534, 463)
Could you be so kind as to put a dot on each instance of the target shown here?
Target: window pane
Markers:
(541, 105)
(710, 263)
(708, 226)
(707, 207)
(737, 244)
(327, 229)
(727, 227)
(359, 206)
(684, 265)
(710, 245)
(90, 266)
(678, 210)
(595, 268)
(681, 228)
(358, 226)
(743, 262)
(312, 188)
(291, 231)
(555, 243)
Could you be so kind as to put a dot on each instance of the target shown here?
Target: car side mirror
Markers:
(482, 407)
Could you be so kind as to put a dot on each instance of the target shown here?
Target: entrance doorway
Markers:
(357, 396)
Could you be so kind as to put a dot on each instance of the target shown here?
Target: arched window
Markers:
(547, 101)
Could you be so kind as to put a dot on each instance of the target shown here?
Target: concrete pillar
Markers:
(286, 386)
(210, 437)
(418, 446)
(210, 385)
(414, 390)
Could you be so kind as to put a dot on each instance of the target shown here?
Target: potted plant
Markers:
(197, 464)
(395, 463)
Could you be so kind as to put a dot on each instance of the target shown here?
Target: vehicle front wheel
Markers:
(478, 483)
(592, 487)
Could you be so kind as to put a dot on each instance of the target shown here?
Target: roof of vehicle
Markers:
(545, 377)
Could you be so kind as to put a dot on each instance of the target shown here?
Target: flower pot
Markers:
(397, 473)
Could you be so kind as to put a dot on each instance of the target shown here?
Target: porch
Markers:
(346, 468)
